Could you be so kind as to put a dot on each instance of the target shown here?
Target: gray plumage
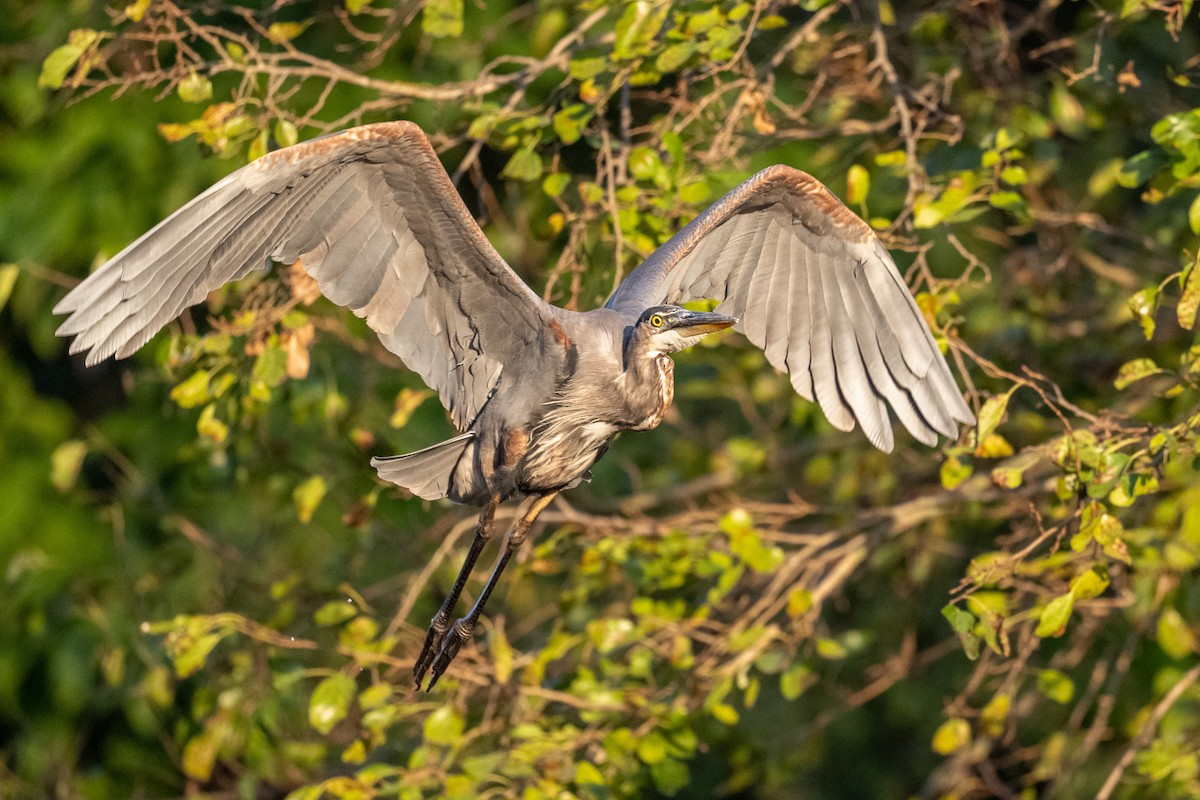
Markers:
(538, 391)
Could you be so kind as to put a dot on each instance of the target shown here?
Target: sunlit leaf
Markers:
(330, 702)
(951, 736)
(1054, 617)
(1056, 686)
(65, 463)
(307, 496)
(444, 726)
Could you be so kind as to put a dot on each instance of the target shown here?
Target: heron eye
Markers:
(656, 321)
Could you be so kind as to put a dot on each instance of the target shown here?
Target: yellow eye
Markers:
(656, 321)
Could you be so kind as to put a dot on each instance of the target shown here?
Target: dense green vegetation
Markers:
(207, 593)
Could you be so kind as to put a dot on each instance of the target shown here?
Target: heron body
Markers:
(538, 392)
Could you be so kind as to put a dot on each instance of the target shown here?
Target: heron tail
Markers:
(426, 473)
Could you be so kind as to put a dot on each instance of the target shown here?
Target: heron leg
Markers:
(441, 620)
(464, 628)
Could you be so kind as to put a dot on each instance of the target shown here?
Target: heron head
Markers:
(669, 329)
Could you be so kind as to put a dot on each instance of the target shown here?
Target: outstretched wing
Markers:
(817, 291)
(373, 217)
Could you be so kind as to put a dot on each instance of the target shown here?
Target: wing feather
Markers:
(373, 217)
(819, 293)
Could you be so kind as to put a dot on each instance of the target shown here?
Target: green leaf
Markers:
(670, 775)
(286, 134)
(1054, 617)
(280, 32)
(525, 165)
(335, 612)
(586, 774)
(330, 702)
(1056, 686)
(444, 726)
(1090, 583)
(1141, 168)
(195, 89)
(8, 279)
(193, 391)
(1174, 636)
(795, 680)
(443, 18)
(1143, 305)
(675, 56)
(200, 755)
(65, 463)
(63, 59)
(1194, 215)
(307, 496)
(1135, 370)
(991, 414)
(951, 736)
(652, 748)
(638, 25)
(556, 183)
(569, 123)
(963, 623)
(1185, 312)
(1014, 175)
(581, 69)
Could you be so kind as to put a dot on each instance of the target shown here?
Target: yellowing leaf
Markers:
(200, 755)
(193, 391)
(1185, 312)
(954, 472)
(136, 10)
(194, 89)
(951, 736)
(330, 701)
(858, 184)
(8, 279)
(993, 716)
(1135, 370)
(991, 414)
(1054, 617)
(444, 726)
(994, 446)
(407, 402)
(307, 496)
(209, 427)
(443, 18)
(281, 32)
(1091, 583)
(65, 463)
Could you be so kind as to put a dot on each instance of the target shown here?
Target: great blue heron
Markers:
(537, 391)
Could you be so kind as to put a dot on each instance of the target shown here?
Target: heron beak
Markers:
(698, 323)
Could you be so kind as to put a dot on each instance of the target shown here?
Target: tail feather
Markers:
(426, 473)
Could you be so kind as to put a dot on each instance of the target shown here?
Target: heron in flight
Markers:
(538, 392)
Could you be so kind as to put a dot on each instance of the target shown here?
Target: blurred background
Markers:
(208, 593)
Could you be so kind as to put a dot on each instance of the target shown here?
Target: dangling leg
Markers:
(441, 620)
(464, 628)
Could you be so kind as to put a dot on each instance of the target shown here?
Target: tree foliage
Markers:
(209, 592)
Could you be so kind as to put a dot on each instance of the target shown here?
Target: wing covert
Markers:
(815, 288)
(374, 218)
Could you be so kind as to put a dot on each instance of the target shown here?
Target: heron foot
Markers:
(455, 638)
(433, 644)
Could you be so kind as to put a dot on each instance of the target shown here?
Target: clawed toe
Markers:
(433, 645)
(452, 642)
